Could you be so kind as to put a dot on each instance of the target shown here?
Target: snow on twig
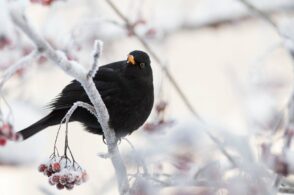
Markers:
(77, 104)
(26, 60)
(97, 52)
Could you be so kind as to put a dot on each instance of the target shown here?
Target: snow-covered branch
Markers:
(77, 71)
(97, 52)
(9, 72)
(84, 105)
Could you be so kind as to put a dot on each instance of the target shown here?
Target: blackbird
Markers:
(126, 88)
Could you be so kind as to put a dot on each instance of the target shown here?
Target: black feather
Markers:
(126, 89)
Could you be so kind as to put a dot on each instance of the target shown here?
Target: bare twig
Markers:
(77, 71)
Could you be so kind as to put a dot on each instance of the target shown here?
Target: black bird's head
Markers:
(138, 65)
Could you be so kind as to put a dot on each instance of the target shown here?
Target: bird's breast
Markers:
(130, 110)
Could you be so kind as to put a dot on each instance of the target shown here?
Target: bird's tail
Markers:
(53, 118)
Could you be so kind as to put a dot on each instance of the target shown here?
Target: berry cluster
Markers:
(63, 173)
(7, 133)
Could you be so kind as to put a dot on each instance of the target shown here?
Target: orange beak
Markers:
(131, 59)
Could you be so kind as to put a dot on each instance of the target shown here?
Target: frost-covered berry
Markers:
(70, 178)
(60, 186)
(55, 179)
(69, 186)
(63, 173)
(78, 180)
(63, 179)
(42, 168)
(51, 182)
(56, 167)
(48, 172)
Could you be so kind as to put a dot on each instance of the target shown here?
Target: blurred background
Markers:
(232, 65)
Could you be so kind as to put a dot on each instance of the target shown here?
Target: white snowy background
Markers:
(233, 67)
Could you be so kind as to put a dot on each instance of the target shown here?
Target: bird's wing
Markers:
(107, 82)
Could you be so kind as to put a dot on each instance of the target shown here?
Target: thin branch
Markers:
(231, 16)
(265, 17)
(77, 71)
(66, 119)
(77, 104)
(97, 52)
(12, 69)
(68, 115)
(260, 13)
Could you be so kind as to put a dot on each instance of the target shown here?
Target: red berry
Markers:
(70, 178)
(69, 186)
(60, 186)
(78, 180)
(3, 141)
(42, 167)
(55, 178)
(63, 179)
(56, 167)
(48, 172)
(51, 182)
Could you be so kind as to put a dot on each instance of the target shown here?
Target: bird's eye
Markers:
(142, 65)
